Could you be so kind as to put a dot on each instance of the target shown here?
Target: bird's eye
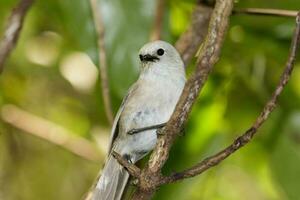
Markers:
(160, 52)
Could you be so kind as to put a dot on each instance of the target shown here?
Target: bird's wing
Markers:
(114, 130)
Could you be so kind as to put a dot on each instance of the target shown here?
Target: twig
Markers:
(131, 168)
(13, 30)
(151, 176)
(266, 11)
(50, 132)
(248, 135)
(190, 40)
(159, 16)
(102, 60)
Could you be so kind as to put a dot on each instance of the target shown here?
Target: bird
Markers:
(150, 101)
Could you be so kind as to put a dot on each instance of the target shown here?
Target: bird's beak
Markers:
(148, 58)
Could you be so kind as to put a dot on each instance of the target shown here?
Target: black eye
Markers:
(160, 52)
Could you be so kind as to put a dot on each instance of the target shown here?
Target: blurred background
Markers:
(53, 129)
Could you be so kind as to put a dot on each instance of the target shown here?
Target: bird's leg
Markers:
(160, 132)
(128, 158)
(138, 130)
(134, 182)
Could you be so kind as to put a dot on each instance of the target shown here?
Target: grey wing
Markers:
(114, 130)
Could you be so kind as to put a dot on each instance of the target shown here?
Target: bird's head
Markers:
(159, 54)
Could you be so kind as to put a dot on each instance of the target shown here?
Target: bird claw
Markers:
(160, 132)
(135, 182)
(132, 131)
(128, 158)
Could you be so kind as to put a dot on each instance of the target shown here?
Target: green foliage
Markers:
(52, 74)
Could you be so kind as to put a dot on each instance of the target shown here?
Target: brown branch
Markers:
(13, 30)
(207, 58)
(248, 135)
(131, 168)
(266, 12)
(151, 176)
(50, 132)
(189, 42)
(102, 60)
(158, 21)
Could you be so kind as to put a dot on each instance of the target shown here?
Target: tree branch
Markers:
(266, 12)
(248, 135)
(102, 61)
(131, 168)
(158, 22)
(50, 132)
(151, 176)
(13, 30)
(207, 58)
(190, 40)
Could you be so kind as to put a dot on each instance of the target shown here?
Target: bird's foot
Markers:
(128, 158)
(160, 132)
(135, 182)
(138, 130)
(133, 131)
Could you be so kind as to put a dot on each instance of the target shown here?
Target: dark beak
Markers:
(148, 58)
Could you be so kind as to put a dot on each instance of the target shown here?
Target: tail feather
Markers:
(112, 181)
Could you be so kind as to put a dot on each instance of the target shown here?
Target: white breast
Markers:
(152, 103)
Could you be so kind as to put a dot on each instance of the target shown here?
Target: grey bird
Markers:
(150, 101)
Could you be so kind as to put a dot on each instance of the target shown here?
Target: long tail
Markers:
(112, 181)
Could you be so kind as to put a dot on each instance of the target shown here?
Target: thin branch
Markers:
(190, 40)
(209, 55)
(131, 168)
(248, 135)
(266, 12)
(50, 132)
(151, 176)
(158, 22)
(13, 29)
(102, 60)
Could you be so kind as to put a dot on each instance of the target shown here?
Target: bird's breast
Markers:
(152, 103)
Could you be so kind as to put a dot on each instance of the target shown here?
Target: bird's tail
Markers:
(112, 181)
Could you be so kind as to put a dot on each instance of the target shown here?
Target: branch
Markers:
(50, 132)
(190, 40)
(13, 30)
(131, 168)
(151, 176)
(207, 58)
(248, 135)
(266, 12)
(102, 61)
(159, 15)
